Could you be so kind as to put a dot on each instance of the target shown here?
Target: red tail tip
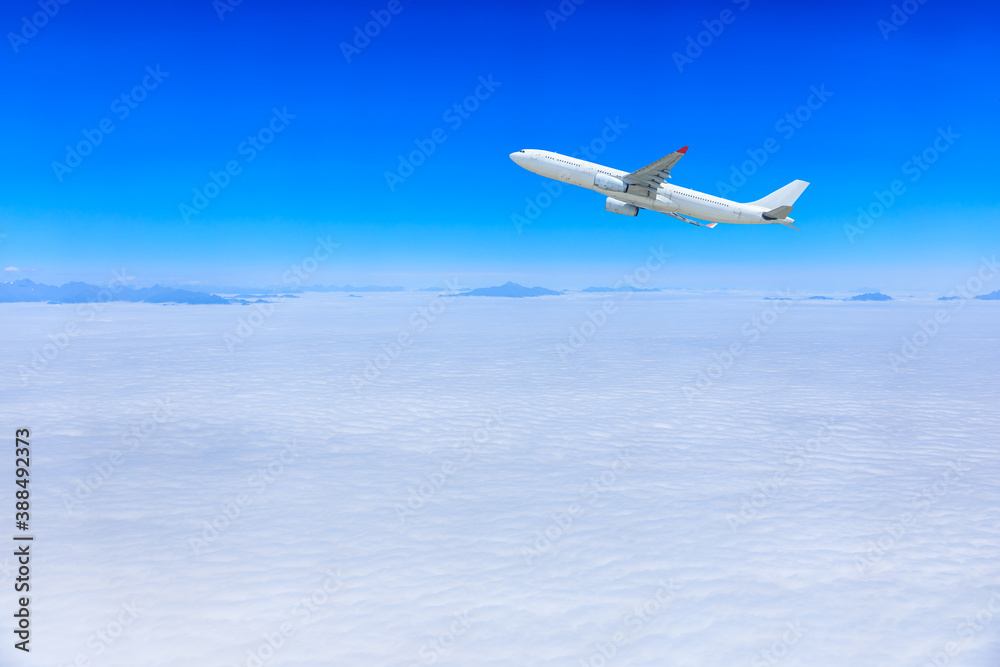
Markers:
(682, 150)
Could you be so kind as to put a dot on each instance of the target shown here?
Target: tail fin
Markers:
(785, 196)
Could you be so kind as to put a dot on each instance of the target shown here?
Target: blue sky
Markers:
(554, 84)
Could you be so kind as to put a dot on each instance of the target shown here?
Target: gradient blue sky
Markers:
(325, 174)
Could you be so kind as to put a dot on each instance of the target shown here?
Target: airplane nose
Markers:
(516, 157)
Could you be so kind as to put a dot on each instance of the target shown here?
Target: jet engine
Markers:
(620, 207)
(610, 183)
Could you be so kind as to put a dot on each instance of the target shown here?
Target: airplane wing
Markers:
(650, 177)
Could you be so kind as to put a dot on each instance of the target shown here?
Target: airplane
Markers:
(647, 188)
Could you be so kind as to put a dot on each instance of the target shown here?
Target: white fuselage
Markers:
(669, 198)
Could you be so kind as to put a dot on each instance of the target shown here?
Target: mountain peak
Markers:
(510, 289)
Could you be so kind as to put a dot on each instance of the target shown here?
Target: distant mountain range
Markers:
(878, 296)
(992, 296)
(510, 289)
(76, 292)
(869, 296)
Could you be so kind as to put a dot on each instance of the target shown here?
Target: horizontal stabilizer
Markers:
(778, 213)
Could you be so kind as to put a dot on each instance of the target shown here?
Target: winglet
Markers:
(682, 150)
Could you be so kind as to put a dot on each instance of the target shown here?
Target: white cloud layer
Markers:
(690, 481)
